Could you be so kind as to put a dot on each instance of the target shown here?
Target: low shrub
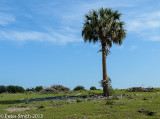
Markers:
(84, 96)
(92, 93)
(79, 88)
(144, 98)
(38, 88)
(40, 107)
(79, 100)
(49, 90)
(146, 112)
(60, 88)
(109, 102)
(56, 88)
(140, 89)
(115, 97)
(130, 97)
(93, 88)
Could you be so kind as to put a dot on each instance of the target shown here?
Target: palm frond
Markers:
(105, 26)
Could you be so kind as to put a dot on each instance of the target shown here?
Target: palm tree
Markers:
(104, 26)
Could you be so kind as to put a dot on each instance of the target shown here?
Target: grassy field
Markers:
(133, 105)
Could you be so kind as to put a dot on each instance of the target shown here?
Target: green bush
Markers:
(144, 98)
(2, 89)
(11, 89)
(40, 107)
(109, 102)
(93, 88)
(115, 97)
(38, 88)
(78, 88)
(19, 89)
(79, 100)
(30, 89)
(14, 89)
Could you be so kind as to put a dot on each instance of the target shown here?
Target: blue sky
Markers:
(41, 44)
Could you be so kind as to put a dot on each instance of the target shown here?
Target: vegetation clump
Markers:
(93, 88)
(105, 83)
(79, 100)
(79, 88)
(60, 88)
(38, 88)
(140, 89)
(56, 88)
(146, 112)
(11, 89)
(14, 89)
(30, 89)
(144, 98)
(109, 102)
(2, 89)
(40, 107)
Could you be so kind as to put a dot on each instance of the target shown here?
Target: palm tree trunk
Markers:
(105, 78)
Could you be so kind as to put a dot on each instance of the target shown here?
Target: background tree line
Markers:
(17, 89)
(20, 89)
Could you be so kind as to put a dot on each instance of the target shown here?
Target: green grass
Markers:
(134, 105)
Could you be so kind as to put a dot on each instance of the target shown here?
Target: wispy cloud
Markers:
(138, 25)
(155, 38)
(38, 36)
(67, 19)
(133, 47)
(6, 19)
(145, 25)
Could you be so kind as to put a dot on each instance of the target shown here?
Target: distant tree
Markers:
(104, 26)
(2, 89)
(14, 89)
(93, 88)
(11, 89)
(19, 89)
(79, 88)
(30, 89)
(38, 88)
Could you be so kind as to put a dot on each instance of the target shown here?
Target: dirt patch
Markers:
(19, 108)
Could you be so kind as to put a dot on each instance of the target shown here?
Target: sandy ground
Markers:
(16, 108)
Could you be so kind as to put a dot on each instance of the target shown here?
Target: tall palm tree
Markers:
(104, 26)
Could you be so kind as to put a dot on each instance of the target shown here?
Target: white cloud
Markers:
(69, 19)
(153, 24)
(145, 25)
(139, 26)
(133, 47)
(38, 36)
(155, 38)
(146, 21)
(6, 19)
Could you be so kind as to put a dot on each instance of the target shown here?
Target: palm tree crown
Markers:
(104, 26)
